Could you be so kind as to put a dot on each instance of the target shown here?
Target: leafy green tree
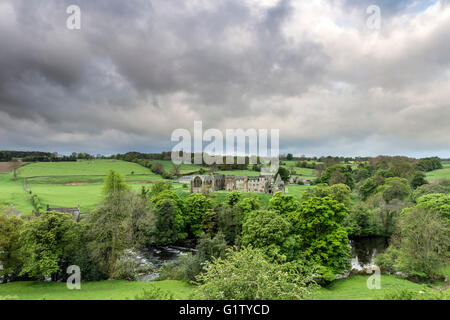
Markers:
(367, 188)
(429, 189)
(429, 164)
(323, 237)
(284, 174)
(249, 204)
(80, 255)
(46, 242)
(283, 203)
(386, 214)
(361, 221)
(229, 222)
(418, 179)
(289, 157)
(272, 233)
(114, 183)
(188, 267)
(110, 230)
(422, 243)
(10, 228)
(439, 203)
(207, 248)
(360, 174)
(166, 225)
(395, 188)
(197, 206)
(159, 186)
(339, 192)
(233, 198)
(178, 204)
(248, 275)
(402, 169)
(337, 174)
(381, 175)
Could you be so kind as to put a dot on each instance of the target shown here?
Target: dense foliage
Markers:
(248, 275)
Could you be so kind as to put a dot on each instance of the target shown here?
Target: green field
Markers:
(61, 196)
(12, 192)
(81, 167)
(101, 290)
(296, 190)
(440, 174)
(184, 168)
(239, 173)
(355, 288)
(67, 184)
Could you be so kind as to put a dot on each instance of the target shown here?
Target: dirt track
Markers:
(8, 166)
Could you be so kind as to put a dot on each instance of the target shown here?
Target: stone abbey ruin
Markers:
(211, 183)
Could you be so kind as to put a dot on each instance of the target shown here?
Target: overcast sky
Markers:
(139, 69)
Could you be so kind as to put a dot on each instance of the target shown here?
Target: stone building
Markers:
(211, 183)
(75, 212)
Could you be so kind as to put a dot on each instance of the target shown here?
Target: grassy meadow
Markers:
(184, 168)
(352, 288)
(440, 174)
(100, 290)
(80, 167)
(69, 184)
(12, 192)
(355, 288)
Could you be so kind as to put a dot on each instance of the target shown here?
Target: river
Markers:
(365, 250)
(363, 254)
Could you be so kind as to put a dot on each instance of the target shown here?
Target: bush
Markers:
(37, 203)
(124, 269)
(387, 260)
(429, 189)
(408, 294)
(248, 275)
(185, 268)
(154, 293)
(420, 246)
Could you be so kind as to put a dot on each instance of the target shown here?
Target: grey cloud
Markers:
(139, 69)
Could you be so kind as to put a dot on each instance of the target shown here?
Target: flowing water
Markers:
(153, 258)
(365, 250)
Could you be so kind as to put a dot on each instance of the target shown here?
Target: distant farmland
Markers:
(440, 174)
(69, 184)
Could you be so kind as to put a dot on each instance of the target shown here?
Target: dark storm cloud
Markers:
(139, 69)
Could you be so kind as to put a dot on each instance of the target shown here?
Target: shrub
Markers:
(185, 268)
(154, 293)
(408, 294)
(429, 189)
(248, 275)
(124, 269)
